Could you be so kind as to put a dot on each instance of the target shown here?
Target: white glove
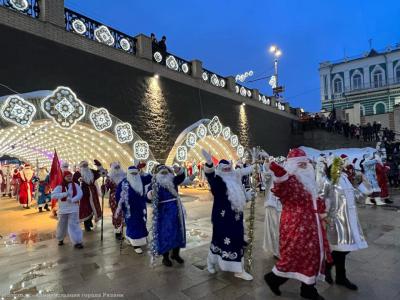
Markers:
(207, 156)
(263, 154)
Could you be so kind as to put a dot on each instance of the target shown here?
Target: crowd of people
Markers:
(368, 132)
(311, 220)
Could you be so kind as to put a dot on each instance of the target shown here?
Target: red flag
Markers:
(215, 160)
(55, 172)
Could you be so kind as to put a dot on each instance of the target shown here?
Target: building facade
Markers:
(369, 83)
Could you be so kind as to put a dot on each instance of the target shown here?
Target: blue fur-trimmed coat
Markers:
(170, 221)
(136, 218)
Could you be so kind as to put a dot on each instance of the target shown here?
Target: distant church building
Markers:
(363, 87)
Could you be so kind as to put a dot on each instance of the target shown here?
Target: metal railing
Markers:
(27, 7)
(172, 62)
(213, 78)
(91, 29)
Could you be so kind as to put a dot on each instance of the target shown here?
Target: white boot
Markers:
(138, 250)
(368, 201)
(210, 266)
(244, 275)
(379, 201)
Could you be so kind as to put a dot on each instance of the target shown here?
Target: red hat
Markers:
(66, 173)
(297, 155)
(354, 161)
(343, 156)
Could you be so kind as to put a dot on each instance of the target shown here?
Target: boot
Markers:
(328, 274)
(166, 261)
(388, 201)
(274, 281)
(40, 209)
(46, 207)
(310, 292)
(346, 283)
(378, 201)
(175, 256)
(244, 275)
(78, 246)
(210, 266)
(87, 225)
(138, 250)
(368, 201)
(118, 236)
(60, 243)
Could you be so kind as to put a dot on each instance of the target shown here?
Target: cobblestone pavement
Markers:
(40, 267)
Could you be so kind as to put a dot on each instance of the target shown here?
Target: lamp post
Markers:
(277, 53)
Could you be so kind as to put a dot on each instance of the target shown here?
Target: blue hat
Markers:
(224, 162)
(132, 168)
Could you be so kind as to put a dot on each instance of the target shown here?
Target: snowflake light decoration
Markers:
(222, 83)
(172, 63)
(181, 153)
(226, 133)
(103, 35)
(214, 80)
(124, 132)
(79, 26)
(240, 151)
(249, 93)
(201, 131)
(100, 119)
(185, 68)
(268, 101)
(141, 150)
(234, 141)
(215, 127)
(63, 107)
(125, 44)
(150, 166)
(18, 111)
(259, 98)
(20, 5)
(237, 89)
(205, 76)
(191, 140)
(243, 91)
(157, 57)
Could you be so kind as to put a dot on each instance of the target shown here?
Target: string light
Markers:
(100, 119)
(18, 111)
(103, 35)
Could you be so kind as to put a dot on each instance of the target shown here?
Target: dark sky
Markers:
(232, 36)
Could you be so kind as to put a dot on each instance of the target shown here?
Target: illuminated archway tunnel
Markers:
(35, 124)
(206, 134)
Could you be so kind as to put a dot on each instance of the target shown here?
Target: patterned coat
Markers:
(112, 187)
(303, 244)
(381, 175)
(370, 174)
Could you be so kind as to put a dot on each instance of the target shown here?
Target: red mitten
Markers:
(277, 169)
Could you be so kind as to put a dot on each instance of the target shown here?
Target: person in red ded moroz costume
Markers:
(89, 206)
(26, 186)
(303, 244)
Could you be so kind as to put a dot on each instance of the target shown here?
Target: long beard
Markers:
(306, 177)
(166, 181)
(135, 181)
(42, 175)
(27, 174)
(116, 175)
(234, 189)
(87, 175)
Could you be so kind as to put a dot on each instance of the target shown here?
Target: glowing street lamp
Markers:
(277, 53)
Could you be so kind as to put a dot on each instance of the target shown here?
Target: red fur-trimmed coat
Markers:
(381, 175)
(112, 187)
(303, 244)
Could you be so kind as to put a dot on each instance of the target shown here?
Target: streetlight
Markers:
(277, 53)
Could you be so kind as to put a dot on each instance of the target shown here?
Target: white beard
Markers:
(116, 175)
(87, 175)
(234, 189)
(166, 181)
(306, 177)
(135, 181)
(42, 175)
(27, 174)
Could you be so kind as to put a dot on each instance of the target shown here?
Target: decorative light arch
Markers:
(210, 135)
(32, 125)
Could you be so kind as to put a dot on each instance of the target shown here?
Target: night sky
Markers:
(232, 36)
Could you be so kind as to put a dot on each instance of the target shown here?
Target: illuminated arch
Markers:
(210, 135)
(31, 127)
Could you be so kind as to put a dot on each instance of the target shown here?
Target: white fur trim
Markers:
(150, 195)
(224, 265)
(351, 247)
(282, 178)
(299, 159)
(137, 242)
(209, 170)
(301, 277)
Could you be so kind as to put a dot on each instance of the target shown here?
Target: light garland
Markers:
(240, 151)
(185, 68)
(79, 26)
(20, 5)
(214, 80)
(141, 150)
(242, 77)
(100, 119)
(204, 76)
(103, 35)
(234, 141)
(191, 140)
(181, 153)
(150, 164)
(201, 131)
(18, 111)
(124, 132)
(63, 107)
(222, 83)
(157, 57)
(172, 63)
(125, 44)
(215, 127)
(226, 133)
